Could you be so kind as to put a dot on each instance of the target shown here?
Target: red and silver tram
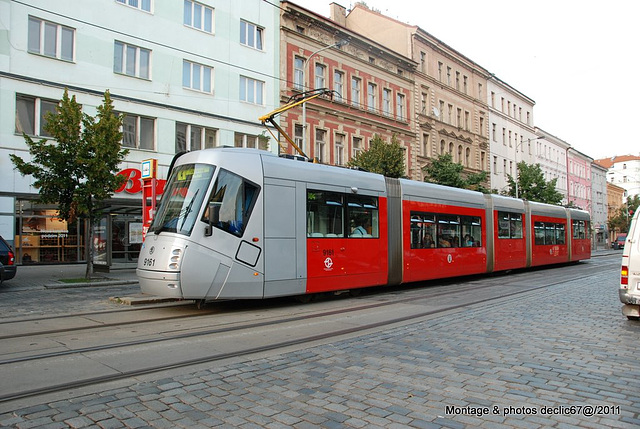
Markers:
(242, 223)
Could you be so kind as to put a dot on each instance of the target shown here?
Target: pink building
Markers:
(579, 179)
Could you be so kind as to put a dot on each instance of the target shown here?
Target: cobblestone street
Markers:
(510, 364)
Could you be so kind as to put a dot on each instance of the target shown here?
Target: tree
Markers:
(532, 186)
(76, 168)
(622, 219)
(382, 158)
(443, 171)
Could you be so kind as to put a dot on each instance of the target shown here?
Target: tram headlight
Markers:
(174, 260)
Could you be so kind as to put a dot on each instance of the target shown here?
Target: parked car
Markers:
(7, 261)
(618, 243)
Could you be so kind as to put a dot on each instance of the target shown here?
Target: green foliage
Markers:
(382, 158)
(532, 186)
(443, 171)
(76, 169)
(622, 219)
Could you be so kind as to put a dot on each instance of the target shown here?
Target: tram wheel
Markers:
(355, 292)
(200, 303)
(633, 317)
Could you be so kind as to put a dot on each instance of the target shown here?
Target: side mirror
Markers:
(213, 212)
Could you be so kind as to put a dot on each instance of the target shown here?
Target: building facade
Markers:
(600, 229)
(579, 179)
(372, 88)
(187, 75)
(511, 132)
(623, 171)
(450, 113)
(551, 153)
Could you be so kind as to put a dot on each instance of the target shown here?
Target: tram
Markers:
(238, 223)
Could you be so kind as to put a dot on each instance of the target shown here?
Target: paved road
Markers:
(538, 360)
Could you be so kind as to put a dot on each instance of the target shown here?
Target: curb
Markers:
(96, 283)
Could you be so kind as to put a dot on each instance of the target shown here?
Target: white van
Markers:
(630, 271)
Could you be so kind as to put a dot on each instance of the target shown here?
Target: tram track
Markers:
(243, 328)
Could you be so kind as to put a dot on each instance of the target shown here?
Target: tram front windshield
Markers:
(182, 199)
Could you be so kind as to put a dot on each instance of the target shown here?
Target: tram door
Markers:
(345, 245)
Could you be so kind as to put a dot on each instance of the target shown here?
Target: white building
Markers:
(624, 171)
(511, 131)
(188, 75)
(551, 154)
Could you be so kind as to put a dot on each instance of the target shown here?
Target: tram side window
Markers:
(549, 233)
(233, 199)
(423, 230)
(509, 225)
(431, 230)
(325, 214)
(363, 216)
(579, 229)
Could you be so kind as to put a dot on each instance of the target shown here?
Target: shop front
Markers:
(41, 237)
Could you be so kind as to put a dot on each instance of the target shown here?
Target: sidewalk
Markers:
(49, 275)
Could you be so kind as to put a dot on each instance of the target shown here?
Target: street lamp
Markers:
(516, 158)
(304, 67)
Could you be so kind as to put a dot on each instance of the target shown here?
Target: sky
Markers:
(579, 60)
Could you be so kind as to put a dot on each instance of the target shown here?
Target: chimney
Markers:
(338, 14)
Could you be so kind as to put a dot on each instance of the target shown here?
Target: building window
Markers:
(355, 91)
(400, 107)
(251, 35)
(320, 76)
(449, 76)
(138, 4)
(458, 81)
(495, 165)
(197, 76)
(424, 102)
(386, 102)
(371, 96)
(423, 62)
(464, 83)
(250, 141)
(339, 152)
(481, 126)
(504, 136)
(443, 146)
(138, 132)
(251, 90)
(459, 118)
(450, 114)
(338, 85)
(50, 39)
(425, 144)
(357, 146)
(131, 60)
(298, 73)
(198, 16)
(440, 71)
(31, 115)
(467, 157)
(298, 134)
(199, 137)
(321, 137)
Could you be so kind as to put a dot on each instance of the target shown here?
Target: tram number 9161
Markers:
(149, 262)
